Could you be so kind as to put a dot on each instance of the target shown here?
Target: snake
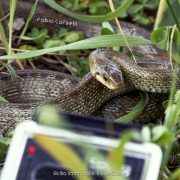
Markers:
(109, 90)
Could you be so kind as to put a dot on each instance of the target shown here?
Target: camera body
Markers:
(81, 149)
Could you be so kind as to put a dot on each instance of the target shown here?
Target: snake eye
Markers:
(105, 78)
(96, 74)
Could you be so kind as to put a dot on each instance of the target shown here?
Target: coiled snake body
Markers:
(86, 95)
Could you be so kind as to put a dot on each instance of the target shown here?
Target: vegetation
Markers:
(35, 44)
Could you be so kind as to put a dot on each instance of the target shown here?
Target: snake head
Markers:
(105, 70)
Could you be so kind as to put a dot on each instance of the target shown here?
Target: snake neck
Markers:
(87, 96)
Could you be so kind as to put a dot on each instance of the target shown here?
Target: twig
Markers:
(33, 10)
(170, 46)
(120, 28)
(6, 16)
(67, 66)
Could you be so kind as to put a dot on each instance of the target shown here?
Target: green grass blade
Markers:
(116, 158)
(4, 39)
(175, 175)
(26, 38)
(91, 19)
(12, 13)
(95, 42)
(2, 33)
(136, 111)
(160, 13)
(173, 14)
(70, 157)
(33, 10)
(3, 21)
(11, 71)
(3, 100)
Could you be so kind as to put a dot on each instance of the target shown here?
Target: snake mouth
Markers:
(106, 81)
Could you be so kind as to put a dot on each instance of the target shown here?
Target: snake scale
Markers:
(87, 95)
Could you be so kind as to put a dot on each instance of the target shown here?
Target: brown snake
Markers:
(86, 95)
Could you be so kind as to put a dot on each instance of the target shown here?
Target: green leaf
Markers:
(47, 115)
(3, 151)
(165, 104)
(172, 113)
(53, 43)
(69, 158)
(11, 71)
(107, 29)
(167, 18)
(175, 175)
(95, 42)
(4, 143)
(177, 96)
(151, 4)
(116, 158)
(161, 37)
(2, 99)
(95, 6)
(173, 13)
(79, 64)
(135, 8)
(38, 36)
(161, 135)
(62, 32)
(146, 134)
(141, 18)
(176, 56)
(73, 37)
(177, 40)
(28, 47)
(91, 19)
(136, 111)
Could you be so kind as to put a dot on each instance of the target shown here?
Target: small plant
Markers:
(139, 11)
(95, 7)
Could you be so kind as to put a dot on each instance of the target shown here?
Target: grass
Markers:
(164, 138)
(12, 13)
(173, 14)
(90, 43)
(33, 10)
(91, 19)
